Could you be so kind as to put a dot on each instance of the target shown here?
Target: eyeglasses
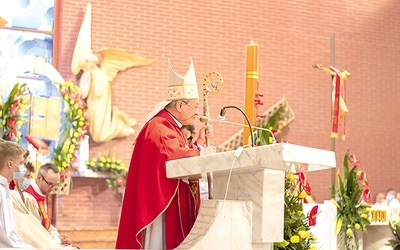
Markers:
(50, 184)
(190, 105)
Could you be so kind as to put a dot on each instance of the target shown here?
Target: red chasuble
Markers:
(149, 192)
(46, 222)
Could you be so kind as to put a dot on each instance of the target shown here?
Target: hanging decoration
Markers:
(339, 110)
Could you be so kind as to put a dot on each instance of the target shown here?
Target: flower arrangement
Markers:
(75, 127)
(12, 112)
(112, 165)
(395, 228)
(297, 233)
(351, 198)
(275, 124)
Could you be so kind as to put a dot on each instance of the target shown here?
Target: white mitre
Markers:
(179, 88)
(182, 87)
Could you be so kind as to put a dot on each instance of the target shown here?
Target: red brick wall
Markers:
(90, 204)
(293, 36)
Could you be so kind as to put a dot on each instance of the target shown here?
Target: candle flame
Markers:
(252, 42)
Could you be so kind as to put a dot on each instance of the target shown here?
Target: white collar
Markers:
(36, 188)
(177, 122)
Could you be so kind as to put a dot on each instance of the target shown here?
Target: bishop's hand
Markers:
(206, 133)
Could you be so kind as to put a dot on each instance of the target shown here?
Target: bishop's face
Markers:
(189, 111)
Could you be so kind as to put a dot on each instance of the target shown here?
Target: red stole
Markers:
(41, 202)
(12, 185)
(149, 192)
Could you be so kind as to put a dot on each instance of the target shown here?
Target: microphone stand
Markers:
(221, 116)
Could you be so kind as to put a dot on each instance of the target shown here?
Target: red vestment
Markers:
(149, 192)
(46, 222)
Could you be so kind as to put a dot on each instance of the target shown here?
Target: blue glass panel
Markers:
(29, 14)
(17, 44)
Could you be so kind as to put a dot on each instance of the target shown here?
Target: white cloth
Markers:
(203, 183)
(160, 106)
(33, 207)
(154, 235)
(30, 229)
(394, 203)
(9, 237)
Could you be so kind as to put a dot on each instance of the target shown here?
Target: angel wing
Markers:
(115, 60)
(83, 46)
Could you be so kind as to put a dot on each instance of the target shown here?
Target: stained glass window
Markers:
(27, 27)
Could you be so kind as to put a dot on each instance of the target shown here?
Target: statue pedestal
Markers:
(247, 209)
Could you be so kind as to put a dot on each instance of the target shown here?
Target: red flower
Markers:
(72, 96)
(85, 126)
(120, 181)
(304, 183)
(14, 109)
(81, 104)
(12, 134)
(12, 122)
(17, 98)
(68, 172)
(62, 176)
(354, 161)
(312, 216)
(362, 176)
(63, 91)
(367, 196)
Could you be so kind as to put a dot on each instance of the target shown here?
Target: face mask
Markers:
(389, 197)
(25, 184)
(18, 175)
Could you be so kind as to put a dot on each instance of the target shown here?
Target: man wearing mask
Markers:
(11, 168)
(26, 181)
(390, 194)
(35, 198)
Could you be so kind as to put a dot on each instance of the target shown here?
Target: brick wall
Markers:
(90, 204)
(293, 36)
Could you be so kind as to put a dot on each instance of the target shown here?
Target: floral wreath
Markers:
(75, 128)
(13, 115)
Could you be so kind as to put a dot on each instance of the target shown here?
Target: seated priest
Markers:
(35, 199)
(30, 229)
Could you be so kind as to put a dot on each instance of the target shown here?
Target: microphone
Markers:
(221, 116)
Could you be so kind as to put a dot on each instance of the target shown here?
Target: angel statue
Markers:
(105, 121)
